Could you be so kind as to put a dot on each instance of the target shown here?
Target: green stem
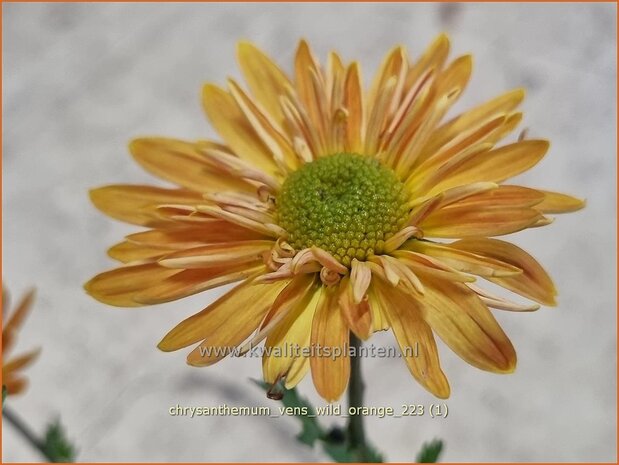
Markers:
(356, 430)
(25, 431)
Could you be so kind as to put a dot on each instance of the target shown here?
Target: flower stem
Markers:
(356, 431)
(25, 431)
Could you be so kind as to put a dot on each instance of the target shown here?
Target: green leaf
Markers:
(56, 445)
(372, 455)
(334, 442)
(430, 451)
(311, 430)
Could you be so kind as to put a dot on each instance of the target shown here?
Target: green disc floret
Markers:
(346, 204)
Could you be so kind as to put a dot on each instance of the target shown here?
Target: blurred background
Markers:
(81, 80)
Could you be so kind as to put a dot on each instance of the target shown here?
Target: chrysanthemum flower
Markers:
(327, 202)
(12, 376)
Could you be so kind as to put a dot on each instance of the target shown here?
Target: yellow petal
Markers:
(213, 231)
(180, 162)
(414, 337)
(379, 315)
(360, 277)
(297, 372)
(330, 371)
(534, 283)
(378, 115)
(495, 301)
(264, 78)
(555, 202)
(138, 204)
(231, 334)
(466, 325)
(450, 84)
(266, 128)
(246, 303)
(230, 122)
(213, 255)
(357, 315)
(288, 338)
(433, 58)
(130, 252)
(297, 293)
(394, 65)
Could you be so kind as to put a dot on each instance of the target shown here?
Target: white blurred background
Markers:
(81, 80)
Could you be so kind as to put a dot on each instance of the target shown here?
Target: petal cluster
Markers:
(219, 222)
(12, 367)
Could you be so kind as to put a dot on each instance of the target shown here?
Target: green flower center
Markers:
(346, 204)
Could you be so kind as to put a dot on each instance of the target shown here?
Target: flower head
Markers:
(12, 376)
(331, 205)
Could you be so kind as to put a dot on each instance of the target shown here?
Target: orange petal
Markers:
(230, 122)
(475, 117)
(506, 196)
(16, 320)
(353, 102)
(555, 202)
(190, 282)
(151, 283)
(213, 231)
(180, 162)
(414, 337)
(138, 204)
(331, 366)
(418, 262)
(15, 385)
(466, 325)
(308, 76)
(534, 283)
(241, 308)
(433, 58)
(118, 287)
(466, 221)
(20, 362)
(496, 165)
(213, 255)
(430, 162)
(449, 86)
(465, 261)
